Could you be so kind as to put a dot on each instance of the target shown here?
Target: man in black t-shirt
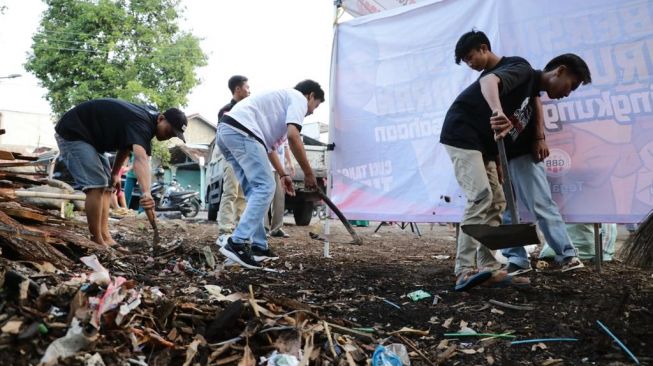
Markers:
(508, 89)
(92, 128)
(525, 164)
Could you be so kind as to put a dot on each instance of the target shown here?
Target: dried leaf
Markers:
(538, 345)
(422, 333)
(12, 327)
(248, 358)
(447, 323)
(468, 351)
(497, 311)
(444, 344)
(551, 361)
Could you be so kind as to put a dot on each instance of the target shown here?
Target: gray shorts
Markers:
(89, 168)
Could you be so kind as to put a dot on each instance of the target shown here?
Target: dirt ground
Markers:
(366, 287)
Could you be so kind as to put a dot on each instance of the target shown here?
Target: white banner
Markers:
(363, 7)
(395, 78)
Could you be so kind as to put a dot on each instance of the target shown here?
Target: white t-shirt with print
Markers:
(267, 114)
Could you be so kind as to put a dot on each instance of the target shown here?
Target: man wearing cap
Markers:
(92, 128)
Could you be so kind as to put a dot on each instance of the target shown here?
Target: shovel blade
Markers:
(503, 236)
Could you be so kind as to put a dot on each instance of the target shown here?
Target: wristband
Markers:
(537, 138)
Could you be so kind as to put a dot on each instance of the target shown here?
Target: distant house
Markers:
(25, 130)
(199, 131)
(185, 162)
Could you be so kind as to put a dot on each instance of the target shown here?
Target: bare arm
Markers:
(490, 90)
(289, 165)
(143, 173)
(297, 147)
(540, 148)
(276, 163)
(286, 180)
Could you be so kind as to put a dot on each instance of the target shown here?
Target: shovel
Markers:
(157, 239)
(357, 239)
(504, 236)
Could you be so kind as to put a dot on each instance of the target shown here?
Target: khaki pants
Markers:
(485, 204)
(277, 207)
(232, 203)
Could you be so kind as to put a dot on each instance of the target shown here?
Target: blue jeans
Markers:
(533, 192)
(251, 165)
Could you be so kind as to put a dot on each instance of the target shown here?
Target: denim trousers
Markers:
(251, 165)
(533, 192)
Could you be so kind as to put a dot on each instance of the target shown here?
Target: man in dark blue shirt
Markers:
(92, 128)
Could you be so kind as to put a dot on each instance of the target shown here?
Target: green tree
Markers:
(128, 49)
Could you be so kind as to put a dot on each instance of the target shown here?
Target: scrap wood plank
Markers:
(70, 237)
(30, 247)
(6, 155)
(18, 179)
(15, 210)
(20, 156)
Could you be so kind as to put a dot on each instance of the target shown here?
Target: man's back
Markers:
(109, 124)
(467, 125)
(267, 114)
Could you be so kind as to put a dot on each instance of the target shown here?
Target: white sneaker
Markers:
(221, 241)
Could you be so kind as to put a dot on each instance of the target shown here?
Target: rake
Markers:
(638, 249)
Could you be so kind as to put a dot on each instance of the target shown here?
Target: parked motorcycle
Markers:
(173, 197)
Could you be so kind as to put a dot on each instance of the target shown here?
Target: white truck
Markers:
(301, 205)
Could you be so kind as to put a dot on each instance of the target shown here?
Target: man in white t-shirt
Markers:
(248, 137)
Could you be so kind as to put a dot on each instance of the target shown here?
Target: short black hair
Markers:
(175, 117)
(574, 64)
(236, 81)
(308, 86)
(471, 40)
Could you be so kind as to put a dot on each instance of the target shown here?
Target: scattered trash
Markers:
(391, 303)
(436, 299)
(441, 256)
(280, 359)
(418, 295)
(470, 334)
(542, 340)
(100, 275)
(396, 355)
(74, 340)
(623, 346)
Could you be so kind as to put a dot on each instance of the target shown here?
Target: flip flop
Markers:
(508, 281)
(119, 248)
(469, 281)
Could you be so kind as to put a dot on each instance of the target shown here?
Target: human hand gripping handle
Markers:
(500, 124)
(310, 182)
(286, 182)
(115, 183)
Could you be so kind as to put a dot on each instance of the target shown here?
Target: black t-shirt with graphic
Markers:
(109, 124)
(467, 122)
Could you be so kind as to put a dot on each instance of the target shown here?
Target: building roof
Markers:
(203, 119)
(188, 154)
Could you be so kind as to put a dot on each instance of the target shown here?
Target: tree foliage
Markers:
(128, 49)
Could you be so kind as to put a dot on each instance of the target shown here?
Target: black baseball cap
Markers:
(178, 121)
